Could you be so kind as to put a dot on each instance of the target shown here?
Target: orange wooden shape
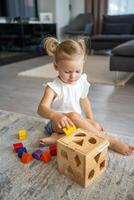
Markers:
(46, 157)
(26, 157)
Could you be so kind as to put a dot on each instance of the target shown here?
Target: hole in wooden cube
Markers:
(92, 140)
(77, 161)
(69, 169)
(79, 142)
(91, 174)
(102, 164)
(80, 135)
(64, 154)
(97, 157)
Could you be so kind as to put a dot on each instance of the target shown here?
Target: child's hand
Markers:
(62, 121)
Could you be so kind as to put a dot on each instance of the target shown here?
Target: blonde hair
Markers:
(68, 49)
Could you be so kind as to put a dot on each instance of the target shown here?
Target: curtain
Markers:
(97, 8)
(21, 8)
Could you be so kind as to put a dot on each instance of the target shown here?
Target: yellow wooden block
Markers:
(22, 134)
(82, 156)
(70, 130)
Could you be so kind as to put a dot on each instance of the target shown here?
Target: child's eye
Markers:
(67, 72)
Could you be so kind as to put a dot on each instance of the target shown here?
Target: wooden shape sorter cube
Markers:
(82, 156)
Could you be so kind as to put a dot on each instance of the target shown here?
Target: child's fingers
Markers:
(65, 122)
(71, 123)
(61, 124)
(41, 143)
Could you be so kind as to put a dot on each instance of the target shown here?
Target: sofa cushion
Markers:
(127, 18)
(125, 49)
(112, 38)
(122, 63)
(119, 28)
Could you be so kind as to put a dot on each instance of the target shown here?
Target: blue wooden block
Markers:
(21, 150)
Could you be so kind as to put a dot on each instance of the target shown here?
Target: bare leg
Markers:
(115, 144)
(50, 140)
(95, 124)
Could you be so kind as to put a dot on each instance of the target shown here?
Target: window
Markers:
(116, 7)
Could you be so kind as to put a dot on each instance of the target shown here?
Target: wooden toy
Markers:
(70, 130)
(37, 154)
(53, 149)
(16, 146)
(46, 157)
(21, 150)
(26, 157)
(82, 156)
(22, 134)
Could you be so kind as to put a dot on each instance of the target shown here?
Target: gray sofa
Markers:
(122, 58)
(116, 30)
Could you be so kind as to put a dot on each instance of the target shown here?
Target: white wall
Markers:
(78, 6)
(62, 16)
(47, 6)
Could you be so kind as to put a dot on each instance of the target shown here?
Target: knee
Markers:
(97, 125)
(74, 116)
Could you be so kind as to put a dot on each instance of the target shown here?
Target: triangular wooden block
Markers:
(26, 158)
(46, 157)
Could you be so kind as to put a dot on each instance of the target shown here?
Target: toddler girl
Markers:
(65, 102)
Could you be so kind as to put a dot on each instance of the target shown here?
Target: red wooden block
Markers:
(17, 146)
(26, 157)
(53, 149)
(46, 157)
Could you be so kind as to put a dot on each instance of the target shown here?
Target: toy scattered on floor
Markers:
(26, 157)
(21, 150)
(53, 149)
(22, 134)
(82, 156)
(70, 130)
(46, 156)
(38, 154)
(17, 146)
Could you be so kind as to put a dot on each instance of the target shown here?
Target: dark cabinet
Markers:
(24, 37)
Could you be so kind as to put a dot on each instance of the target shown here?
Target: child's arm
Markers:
(44, 110)
(86, 107)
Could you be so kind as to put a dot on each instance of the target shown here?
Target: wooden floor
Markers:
(112, 106)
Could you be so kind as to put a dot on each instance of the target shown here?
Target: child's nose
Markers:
(72, 75)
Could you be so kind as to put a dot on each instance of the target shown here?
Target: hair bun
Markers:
(50, 44)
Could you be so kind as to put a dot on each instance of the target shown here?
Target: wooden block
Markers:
(46, 157)
(26, 157)
(82, 156)
(21, 150)
(53, 149)
(70, 130)
(37, 154)
(16, 146)
(22, 134)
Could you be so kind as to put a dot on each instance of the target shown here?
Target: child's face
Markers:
(69, 71)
